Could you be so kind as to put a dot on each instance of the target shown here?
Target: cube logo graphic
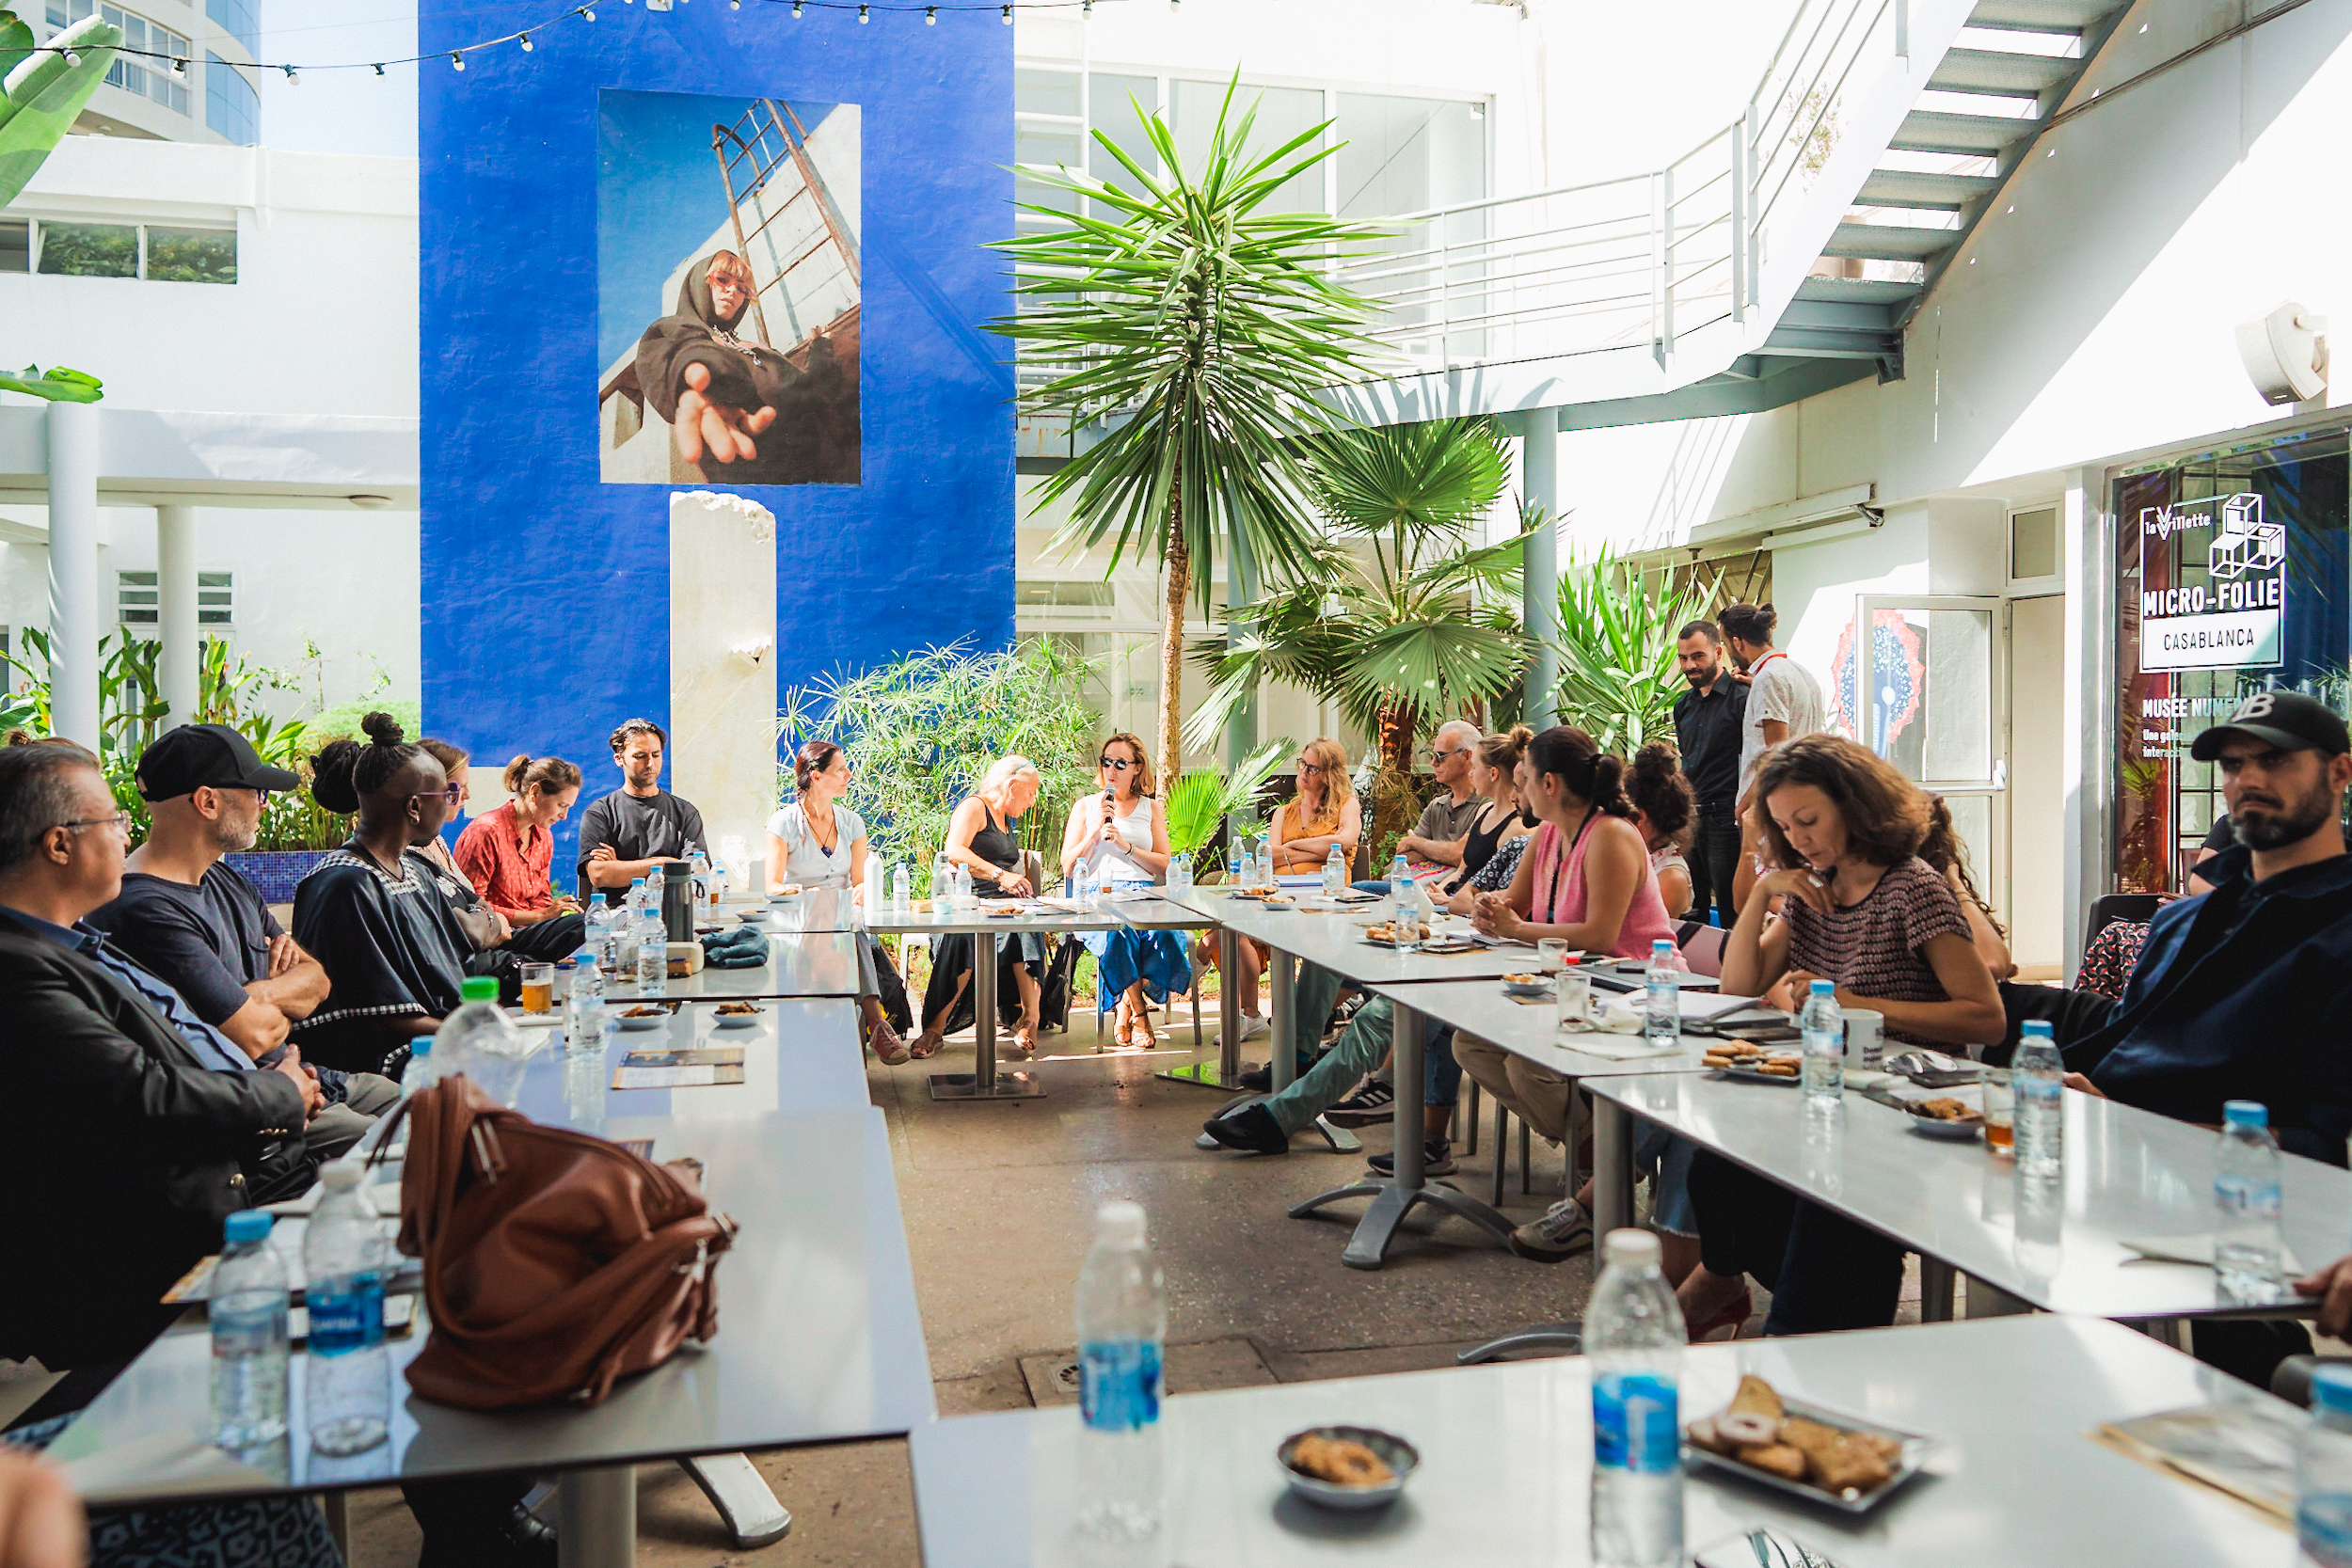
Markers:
(2213, 585)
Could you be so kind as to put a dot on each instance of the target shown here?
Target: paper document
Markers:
(676, 1077)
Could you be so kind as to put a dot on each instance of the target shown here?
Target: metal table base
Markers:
(984, 1081)
(1225, 1072)
(1394, 1198)
(595, 1524)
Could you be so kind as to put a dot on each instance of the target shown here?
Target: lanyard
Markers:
(1559, 866)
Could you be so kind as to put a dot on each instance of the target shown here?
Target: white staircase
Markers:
(1780, 258)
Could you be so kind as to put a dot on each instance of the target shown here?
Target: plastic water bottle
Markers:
(1334, 873)
(1822, 1025)
(584, 1005)
(1405, 917)
(248, 1318)
(2323, 1472)
(1121, 1321)
(902, 888)
(2247, 1202)
(657, 884)
(653, 951)
(482, 1042)
(422, 1069)
(1633, 1337)
(698, 872)
(348, 1383)
(1661, 1011)
(604, 934)
(630, 927)
(2036, 1074)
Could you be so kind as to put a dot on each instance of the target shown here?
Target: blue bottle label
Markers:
(1635, 1426)
(1119, 1384)
(2323, 1525)
(346, 1314)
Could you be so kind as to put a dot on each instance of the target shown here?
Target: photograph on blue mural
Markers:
(727, 290)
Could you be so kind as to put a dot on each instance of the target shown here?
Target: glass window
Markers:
(2033, 543)
(232, 110)
(192, 255)
(1112, 103)
(89, 249)
(16, 247)
(136, 598)
(1282, 112)
(240, 19)
(2232, 577)
(1045, 92)
(1408, 154)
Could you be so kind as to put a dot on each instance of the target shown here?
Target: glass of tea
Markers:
(539, 989)
(2000, 1111)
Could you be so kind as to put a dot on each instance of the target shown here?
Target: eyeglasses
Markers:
(1120, 763)
(120, 819)
(1306, 766)
(447, 792)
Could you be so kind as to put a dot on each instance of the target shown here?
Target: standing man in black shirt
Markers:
(1708, 720)
(625, 833)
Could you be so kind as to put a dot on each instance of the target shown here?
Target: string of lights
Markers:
(522, 36)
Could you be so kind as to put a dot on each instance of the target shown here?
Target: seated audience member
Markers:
(506, 853)
(1322, 813)
(983, 838)
(1586, 876)
(1859, 908)
(192, 921)
(123, 1144)
(1662, 810)
(2246, 992)
(623, 835)
(374, 912)
(1119, 840)
(1944, 851)
(486, 930)
(817, 841)
(1445, 822)
(1494, 774)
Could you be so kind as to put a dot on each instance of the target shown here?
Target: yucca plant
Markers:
(1204, 798)
(1616, 646)
(1193, 332)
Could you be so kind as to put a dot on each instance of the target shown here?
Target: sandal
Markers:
(888, 1048)
(1023, 1044)
(918, 1051)
(1123, 1032)
(1732, 1317)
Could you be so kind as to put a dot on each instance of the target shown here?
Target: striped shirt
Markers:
(1876, 948)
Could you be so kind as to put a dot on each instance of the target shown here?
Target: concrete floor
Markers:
(999, 1200)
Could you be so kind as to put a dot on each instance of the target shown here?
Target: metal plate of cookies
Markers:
(1899, 1455)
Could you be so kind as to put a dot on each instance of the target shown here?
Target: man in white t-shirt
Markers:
(1784, 698)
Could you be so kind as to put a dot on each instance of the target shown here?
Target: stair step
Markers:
(1933, 131)
(2041, 16)
(1887, 242)
(1989, 71)
(1855, 290)
(1888, 187)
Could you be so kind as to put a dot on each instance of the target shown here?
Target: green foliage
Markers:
(1617, 626)
(342, 722)
(45, 91)
(191, 256)
(59, 384)
(922, 731)
(1204, 798)
(89, 249)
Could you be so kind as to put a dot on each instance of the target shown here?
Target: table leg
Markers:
(1283, 975)
(1225, 1074)
(336, 1506)
(736, 1488)
(1936, 1290)
(984, 1081)
(1394, 1198)
(596, 1518)
(1612, 1167)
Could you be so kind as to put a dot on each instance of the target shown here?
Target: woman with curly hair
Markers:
(1663, 808)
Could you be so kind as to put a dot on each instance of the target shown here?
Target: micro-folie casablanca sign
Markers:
(2225, 568)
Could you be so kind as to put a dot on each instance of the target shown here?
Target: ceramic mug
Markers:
(1866, 1036)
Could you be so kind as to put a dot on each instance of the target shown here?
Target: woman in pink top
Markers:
(1586, 880)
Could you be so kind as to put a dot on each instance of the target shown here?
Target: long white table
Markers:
(1506, 1454)
(800, 963)
(2130, 1174)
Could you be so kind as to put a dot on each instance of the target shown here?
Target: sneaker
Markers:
(1252, 1025)
(1252, 1129)
(1437, 1159)
(1564, 1230)
(1256, 1080)
(1375, 1102)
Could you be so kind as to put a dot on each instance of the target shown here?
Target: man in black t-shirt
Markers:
(1710, 719)
(623, 833)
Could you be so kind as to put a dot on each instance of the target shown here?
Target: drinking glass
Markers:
(2000, 1111)
(1573, 991)
(539, 989)
(1551, 954)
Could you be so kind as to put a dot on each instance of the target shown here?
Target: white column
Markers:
(1539, 469)
(74, 627)
(175, 582)
(2086, 757)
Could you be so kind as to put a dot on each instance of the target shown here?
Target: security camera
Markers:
(2285, 354)
(1874, 515)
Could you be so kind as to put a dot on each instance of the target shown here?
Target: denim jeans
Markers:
(1361, 1046)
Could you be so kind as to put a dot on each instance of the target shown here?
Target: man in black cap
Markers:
(2246, 992)
(193, 921)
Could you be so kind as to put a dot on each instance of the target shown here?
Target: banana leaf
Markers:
(45, 89)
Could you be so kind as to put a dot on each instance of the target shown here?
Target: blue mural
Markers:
(545, 591)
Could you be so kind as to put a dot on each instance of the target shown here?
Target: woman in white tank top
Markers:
(1120, 835)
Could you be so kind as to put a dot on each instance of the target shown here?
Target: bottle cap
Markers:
(247, 1224)
(2245, 1113)
(2037, 1027)
(481, 987)
(1630, 1249)
(2331, 1386)
(340, 1176)
(1823, 987)
(637, 881)
(1119, 1224)
(421, 1046)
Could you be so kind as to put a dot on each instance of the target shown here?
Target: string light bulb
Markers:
(293, 80)
(1086, 7)
(796, 10)
(73, 60)
(734, 5)
(931, 16)
(457, 61)
(1008, 16)
(862, 17)
(525, 41)
(587, 13)
(379, 68)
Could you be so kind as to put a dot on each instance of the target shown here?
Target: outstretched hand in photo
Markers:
(705, 424)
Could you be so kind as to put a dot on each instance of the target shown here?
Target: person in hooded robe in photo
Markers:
(739, 411)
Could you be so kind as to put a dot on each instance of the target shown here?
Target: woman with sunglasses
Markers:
(1120, 837)
(372, 912)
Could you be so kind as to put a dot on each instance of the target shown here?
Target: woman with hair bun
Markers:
(1663, 807)
(372, 912)
(816, 841)
(507, 853)
(1586, 879)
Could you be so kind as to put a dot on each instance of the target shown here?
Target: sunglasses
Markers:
(1120, 763)
(447, 792)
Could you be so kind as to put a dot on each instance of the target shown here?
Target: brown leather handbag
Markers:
(554, 1261)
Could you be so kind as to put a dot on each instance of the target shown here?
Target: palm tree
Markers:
(1412, 625)
(1193, 332)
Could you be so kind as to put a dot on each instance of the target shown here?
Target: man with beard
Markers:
(1709, 722)
(626, 833)
(189, 919)
(740, 410)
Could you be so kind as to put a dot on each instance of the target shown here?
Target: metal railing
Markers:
(1639, 259)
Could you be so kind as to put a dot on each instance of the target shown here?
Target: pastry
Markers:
(1340, 1461)
(1756, 1397)
(1836, 1461)
(1777, 1458)
(1944, 1108)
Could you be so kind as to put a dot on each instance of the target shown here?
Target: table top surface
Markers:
(800, 963)
(1506, 1456)
(1334, 940)
(819, 1338)
(2130, 1175)
(1530, 1030)
(1035, 914)
(813, 908)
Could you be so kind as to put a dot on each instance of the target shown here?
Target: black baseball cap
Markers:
(182, 761)
(2287, 719)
